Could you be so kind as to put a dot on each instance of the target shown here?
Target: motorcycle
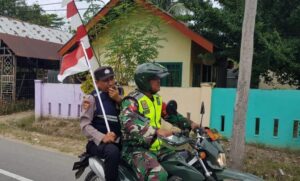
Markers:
(204, 159)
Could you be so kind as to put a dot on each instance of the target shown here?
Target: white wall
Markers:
(49, 96)
(188, 99)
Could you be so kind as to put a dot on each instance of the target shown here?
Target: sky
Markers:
(50, 5)
(54, 7)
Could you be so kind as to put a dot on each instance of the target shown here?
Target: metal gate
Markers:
(7, 74)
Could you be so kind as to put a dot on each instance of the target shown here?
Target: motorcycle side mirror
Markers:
(202, 110)
(171, 107)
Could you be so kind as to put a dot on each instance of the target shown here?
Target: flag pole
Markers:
(95, 86)
(72, 11)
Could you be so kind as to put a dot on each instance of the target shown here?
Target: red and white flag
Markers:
(74, 62)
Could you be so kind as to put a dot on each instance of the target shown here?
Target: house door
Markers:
(207, 73)
(202, 73)
(197, 74)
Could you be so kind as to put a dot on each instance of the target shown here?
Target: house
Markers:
(27, 52)
(180, 50)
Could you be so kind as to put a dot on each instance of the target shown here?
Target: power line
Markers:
(55, 9)
(53, 3)
(66, 9)
(48, 4)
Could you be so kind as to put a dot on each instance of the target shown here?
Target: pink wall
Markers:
(57, 100)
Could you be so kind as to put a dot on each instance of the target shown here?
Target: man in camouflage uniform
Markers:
(140, 117)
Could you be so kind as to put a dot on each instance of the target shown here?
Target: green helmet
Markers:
(147, 71)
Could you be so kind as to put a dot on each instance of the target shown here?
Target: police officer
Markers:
(140, 117)
(105, 145)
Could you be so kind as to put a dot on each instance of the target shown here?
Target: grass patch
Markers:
(25, 123)
(63, 135)
(59, 127)
(18, 106)
(50, 126)
(285, 150)
(266, 162)
(3, 127)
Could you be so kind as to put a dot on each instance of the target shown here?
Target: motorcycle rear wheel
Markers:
(91, 176)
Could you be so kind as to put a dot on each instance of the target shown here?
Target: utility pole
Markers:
(237, 145)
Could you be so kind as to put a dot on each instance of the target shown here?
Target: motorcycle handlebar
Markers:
(201, 131)
(182, 133)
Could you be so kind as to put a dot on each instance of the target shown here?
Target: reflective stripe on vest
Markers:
(152, 110)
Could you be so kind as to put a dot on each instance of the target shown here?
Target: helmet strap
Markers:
(153, 92)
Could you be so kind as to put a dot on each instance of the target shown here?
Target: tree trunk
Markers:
(237, 146)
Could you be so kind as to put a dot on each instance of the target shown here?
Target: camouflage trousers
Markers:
(146, 165)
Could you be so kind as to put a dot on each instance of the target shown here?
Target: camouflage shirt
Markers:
(136, 128)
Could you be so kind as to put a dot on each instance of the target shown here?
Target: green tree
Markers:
(277, 34)
(87, 86)
(163, 4)
(173, 7)
(130, 46)
(33, 14)
(94, 7)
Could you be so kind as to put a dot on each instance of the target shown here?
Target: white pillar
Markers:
(206, 94)
(38, 99)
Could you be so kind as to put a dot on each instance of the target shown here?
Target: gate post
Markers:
(38, 99)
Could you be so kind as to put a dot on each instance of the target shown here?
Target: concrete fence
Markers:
(64, 100)
(57, 100)
(273, 116)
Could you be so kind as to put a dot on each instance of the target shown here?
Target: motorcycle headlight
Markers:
(222, 160)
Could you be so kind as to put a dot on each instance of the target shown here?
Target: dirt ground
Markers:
(62, 135)
(65, 136)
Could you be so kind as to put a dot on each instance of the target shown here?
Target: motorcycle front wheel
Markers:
(91, 176)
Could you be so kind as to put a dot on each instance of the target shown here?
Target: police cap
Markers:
(103, 73)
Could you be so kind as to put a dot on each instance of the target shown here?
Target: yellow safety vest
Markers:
(151, 110)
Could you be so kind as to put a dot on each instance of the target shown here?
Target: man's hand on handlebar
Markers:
(164, 132)
(194, 126)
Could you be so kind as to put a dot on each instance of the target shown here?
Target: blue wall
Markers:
(266, 105)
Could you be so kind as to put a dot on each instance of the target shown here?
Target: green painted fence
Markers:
(273, 116)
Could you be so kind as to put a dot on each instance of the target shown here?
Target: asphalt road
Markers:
(23, 162)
